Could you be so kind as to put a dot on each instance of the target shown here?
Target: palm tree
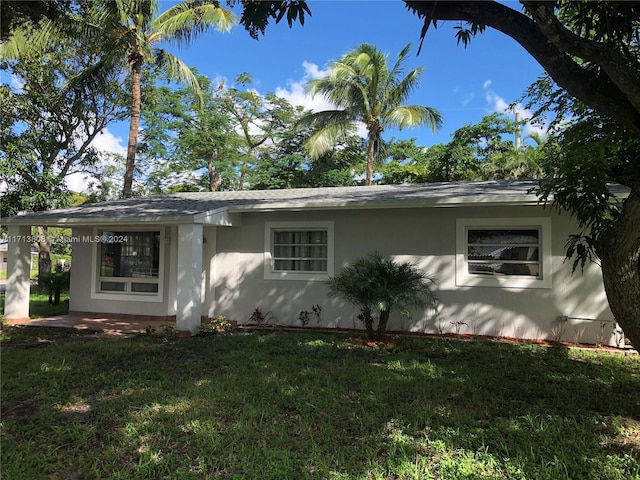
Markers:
(378, 284)
(129, 31)
(363, 89)
(135, 27)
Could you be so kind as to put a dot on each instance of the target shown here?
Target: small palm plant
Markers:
(376, 284)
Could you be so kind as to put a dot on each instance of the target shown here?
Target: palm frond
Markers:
(403, 88)
(361, 84)
(375, 282)
(112, 61)
(406, 116)
(398, 68)
(344, 90)
(28, 41)
(189, 19)
(329, 128)
(176, 69)
(16, 46)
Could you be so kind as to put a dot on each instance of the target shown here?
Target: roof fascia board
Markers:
(91, 221)
(369, 205)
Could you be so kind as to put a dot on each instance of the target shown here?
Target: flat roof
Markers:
(217, 207)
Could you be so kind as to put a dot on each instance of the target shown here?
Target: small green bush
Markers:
(378, 284)
(216, 324)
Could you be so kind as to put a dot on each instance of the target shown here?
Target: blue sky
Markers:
(464, 84)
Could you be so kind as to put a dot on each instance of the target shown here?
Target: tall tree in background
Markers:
(47, 129)
(128, 34)
(481, 151)
(284, 164)
(259, 119)
(190, 140)
(133, 30)
(591, 51)
(364, 89)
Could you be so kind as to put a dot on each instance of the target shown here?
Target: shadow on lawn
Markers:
(297, 405)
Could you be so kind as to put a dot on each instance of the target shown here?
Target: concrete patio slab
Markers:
(108, 326)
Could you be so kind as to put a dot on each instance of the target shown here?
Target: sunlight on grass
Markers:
(304, 405)
(39, 305)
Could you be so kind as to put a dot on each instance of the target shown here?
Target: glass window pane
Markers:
(503, 253)
(282, 237)
(487, 247)
(282, 251)
(300, 250)
(113, 286)
(521, 269)
(144, 287)
(510, 236)
(283, 265)
(130, 254)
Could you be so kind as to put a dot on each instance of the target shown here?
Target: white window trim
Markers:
(127, 297)
(270, 274)
(465, 279)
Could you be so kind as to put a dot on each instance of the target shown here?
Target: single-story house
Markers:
(4, 248)
(497, 254)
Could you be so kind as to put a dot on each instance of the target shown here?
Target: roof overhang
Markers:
(227, 210)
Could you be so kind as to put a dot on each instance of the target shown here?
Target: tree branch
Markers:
(609, 58)
(597, 91)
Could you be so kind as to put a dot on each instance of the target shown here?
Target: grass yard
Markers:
(32, 273)
(289, 405)
(39, 305)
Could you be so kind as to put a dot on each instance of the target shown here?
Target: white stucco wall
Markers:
(424, 236)
(233, 282)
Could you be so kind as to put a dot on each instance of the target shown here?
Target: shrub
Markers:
(376, 284)
(218, 323)
(53, 283)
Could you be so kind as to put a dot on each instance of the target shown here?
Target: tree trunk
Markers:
(619, 254)
(366, 318)
(212, 174)
(370, 153)
(243, 169)
(597, 91)
(243, 174)
(134, 125)
(44, 251)
(382, 323)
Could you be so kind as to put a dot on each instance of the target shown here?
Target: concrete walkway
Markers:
(108, 326)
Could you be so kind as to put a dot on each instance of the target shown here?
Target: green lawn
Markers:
(39, 305)
(281, 405)
(3, 274)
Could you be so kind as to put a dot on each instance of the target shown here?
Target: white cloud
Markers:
(79, 181)
(295, 92)
(498, 104)
(466, 100)
(495, 102)
(104, 142)
(108, 142)
(17, 83)
(312, 71)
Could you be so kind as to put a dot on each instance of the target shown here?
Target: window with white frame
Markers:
(505, 252)
(129, 263)
(298, 251)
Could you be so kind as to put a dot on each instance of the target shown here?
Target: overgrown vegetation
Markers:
(310, 405)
